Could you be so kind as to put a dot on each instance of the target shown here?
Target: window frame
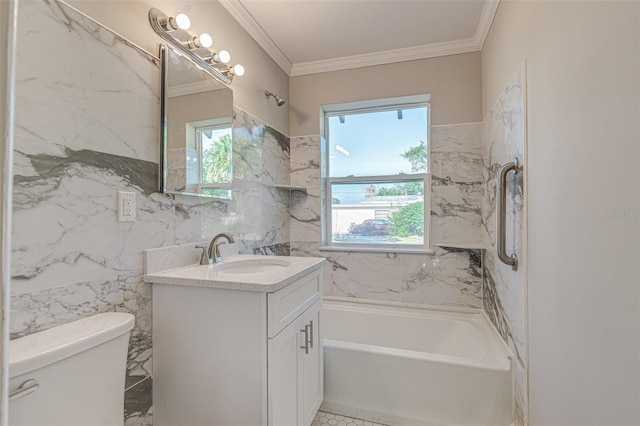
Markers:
(328, 244)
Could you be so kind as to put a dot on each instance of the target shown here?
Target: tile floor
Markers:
(322, 419)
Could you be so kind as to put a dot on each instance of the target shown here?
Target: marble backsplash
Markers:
(87, 126)
(450, 276)
(504, 289)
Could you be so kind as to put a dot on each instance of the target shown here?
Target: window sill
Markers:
(471, 246)
(377, 249)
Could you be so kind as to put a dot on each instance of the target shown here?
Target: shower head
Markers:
(279, 99)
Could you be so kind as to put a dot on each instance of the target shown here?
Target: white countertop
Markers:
(214, 276)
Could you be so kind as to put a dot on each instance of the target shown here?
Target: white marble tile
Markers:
(260, 153)
(455, 213)
(305, 164)
(456, 184)
(451, 277)
(176, 170)
(504, 289)
(375, 276)
(65, 227)
(306, 220)
(456, 138)
(81, 86)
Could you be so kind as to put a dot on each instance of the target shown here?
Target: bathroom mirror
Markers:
(197, 112)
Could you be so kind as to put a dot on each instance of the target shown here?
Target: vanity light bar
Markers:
(174, 30)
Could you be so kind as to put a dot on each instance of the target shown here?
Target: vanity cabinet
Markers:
(296, 371)
(223, 356)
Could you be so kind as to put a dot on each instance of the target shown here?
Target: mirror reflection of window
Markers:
(215, 160)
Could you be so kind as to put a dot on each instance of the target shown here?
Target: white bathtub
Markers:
(411, 366)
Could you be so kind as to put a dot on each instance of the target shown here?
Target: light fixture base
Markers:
(159, 20)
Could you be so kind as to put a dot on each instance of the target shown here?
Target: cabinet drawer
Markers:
(287, 304)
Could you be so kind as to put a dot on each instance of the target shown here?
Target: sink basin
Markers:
(252, 266)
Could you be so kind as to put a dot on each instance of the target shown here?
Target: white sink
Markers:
(252, 266)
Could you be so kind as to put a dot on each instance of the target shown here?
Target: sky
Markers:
(374, 141)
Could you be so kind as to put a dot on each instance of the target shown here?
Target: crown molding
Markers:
(474, 44)
(386, 57)
(486, 19)
(246, 21)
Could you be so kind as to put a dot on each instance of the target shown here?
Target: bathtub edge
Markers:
(403, 304)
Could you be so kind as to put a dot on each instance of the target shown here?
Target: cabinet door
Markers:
(283, 380)
(311, 366)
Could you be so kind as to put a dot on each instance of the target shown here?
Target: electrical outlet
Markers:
(126, 206)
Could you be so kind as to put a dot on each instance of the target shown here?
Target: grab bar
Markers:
(27, 387)
(501, 213)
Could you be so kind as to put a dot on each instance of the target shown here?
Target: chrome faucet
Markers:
(214, 252)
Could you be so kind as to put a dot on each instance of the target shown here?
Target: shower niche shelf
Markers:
(291, 188)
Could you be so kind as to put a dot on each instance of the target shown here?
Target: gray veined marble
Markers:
(306, 220)
(93, 84)
(504, 289)
(456, 184)
(260, 153)
(64, 230)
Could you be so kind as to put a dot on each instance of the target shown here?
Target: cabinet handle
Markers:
(311, 334)
(306, 339)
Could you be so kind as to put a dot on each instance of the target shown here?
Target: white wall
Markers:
(583, 71)
(130, 19)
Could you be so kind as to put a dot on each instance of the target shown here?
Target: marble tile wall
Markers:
(87, 126)
(450, 277)
(505, 289)
(456, 184)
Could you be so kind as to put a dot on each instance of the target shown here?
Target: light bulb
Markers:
(183, 21)
(206, 40)
(238, 70)
(223, 56)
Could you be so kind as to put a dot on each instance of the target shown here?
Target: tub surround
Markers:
(504, 289)
(87, 127)
(452, 276)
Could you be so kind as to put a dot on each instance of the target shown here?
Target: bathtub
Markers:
(412, 366)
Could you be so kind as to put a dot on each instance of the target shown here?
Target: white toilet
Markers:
(72, 374)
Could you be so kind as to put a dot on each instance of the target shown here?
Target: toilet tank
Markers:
(73, 374)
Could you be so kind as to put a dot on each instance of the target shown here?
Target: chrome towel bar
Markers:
(501, 213)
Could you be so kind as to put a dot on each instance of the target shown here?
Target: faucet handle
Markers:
(204, 258)
(216, 251)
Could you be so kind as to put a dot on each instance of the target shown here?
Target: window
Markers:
(377, 176)
(214, 160)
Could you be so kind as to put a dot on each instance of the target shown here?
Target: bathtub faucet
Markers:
(214, 251)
